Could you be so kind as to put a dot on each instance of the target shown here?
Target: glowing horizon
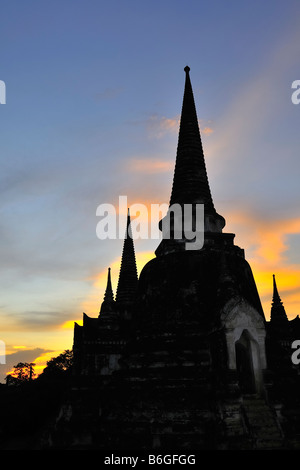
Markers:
(92, 113)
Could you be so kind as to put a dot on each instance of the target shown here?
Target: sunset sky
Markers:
(93, 99)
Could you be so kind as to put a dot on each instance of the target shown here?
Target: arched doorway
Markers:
(248, 364)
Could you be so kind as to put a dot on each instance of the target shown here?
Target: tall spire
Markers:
(278, 314)
(109, 295)
(190, 182)
(108, 301)
(128, 277)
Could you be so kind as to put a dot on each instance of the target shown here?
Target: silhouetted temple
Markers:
(179, 358)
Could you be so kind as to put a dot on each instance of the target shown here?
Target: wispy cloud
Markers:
(160, 126)
(257, 100)
(267, 248)
(207, 130)
(149, 165)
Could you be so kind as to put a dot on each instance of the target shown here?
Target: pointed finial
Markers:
(108, 300)
(275, 290)
(190, 181)
(278, 313)
(128, 272)
(109, 296)
(128, 226)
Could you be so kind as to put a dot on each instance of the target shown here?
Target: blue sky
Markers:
(94, 93)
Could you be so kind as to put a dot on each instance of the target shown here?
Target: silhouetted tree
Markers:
(10, 380)
(60, 365)
(23, 372)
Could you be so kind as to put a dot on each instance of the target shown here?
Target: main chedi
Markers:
(178, 359)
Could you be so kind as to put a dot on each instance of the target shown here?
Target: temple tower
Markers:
(278, 315)
(188, 360)
(99, 343)
(108, 304)
(280, 329)
(128, 277)
(208, 292)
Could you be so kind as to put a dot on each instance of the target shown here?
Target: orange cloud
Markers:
(69, 324)
(41, 361)
(267, 241)
(266, 244)
(207, 130)
(91, 305)
(149, 165)
(288, 283)
(161, 125)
